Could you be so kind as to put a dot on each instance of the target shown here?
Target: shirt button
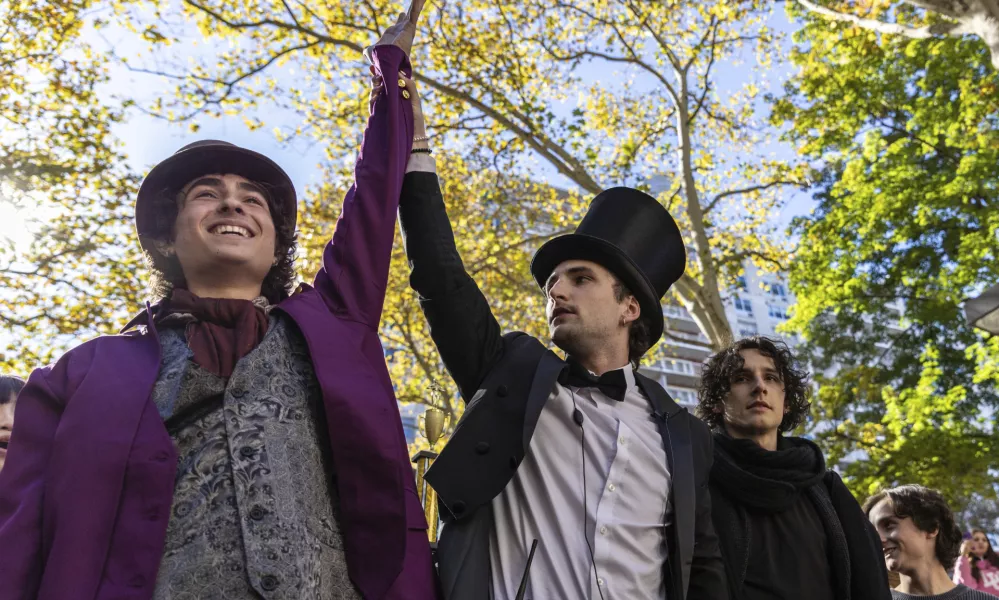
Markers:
(611, 487)
(257, 513)
(269, 583)
(623, 441)
(246, 451)
(600, 582)
(603, 531)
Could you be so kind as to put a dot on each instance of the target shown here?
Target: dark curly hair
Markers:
(168, 274)
(716, 381)
(928, 511)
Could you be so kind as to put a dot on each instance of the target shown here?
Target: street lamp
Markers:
(983, 312)
(433, 426)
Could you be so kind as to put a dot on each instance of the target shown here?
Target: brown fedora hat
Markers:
(202, 158)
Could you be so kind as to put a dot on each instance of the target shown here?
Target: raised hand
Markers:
(403, 31)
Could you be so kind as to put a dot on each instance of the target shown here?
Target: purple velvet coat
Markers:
(87, 488)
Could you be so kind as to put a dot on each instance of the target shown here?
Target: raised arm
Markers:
(355, 265)
(461, 323)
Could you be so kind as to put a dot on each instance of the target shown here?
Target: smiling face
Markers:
(754, 405)
(907, 549)
(224, 229)
(583, 308)
(6, 426)
(978, 544)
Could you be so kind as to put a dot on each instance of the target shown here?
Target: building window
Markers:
(745, 332)
(777, 312)
(680, 367)
(744, 305)
(683, 396)
(741, 282)
(778, 289)
(672, 310)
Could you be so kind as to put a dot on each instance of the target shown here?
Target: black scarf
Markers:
(747, 476)
(765, 480)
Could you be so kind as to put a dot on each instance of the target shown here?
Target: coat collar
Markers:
(145, 320)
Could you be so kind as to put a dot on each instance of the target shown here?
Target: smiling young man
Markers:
(788, 528)
(918, 537)
(582, 456)
(237, 441)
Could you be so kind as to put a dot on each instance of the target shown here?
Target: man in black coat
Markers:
(789, 529)
(584, 456)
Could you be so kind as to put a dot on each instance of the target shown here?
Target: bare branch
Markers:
(555, 154)
(281, 25)
(209, 98)
(917, 33)
(739, 257)
(673, 58)
(746, 190)
(707, 73)
(291, 13)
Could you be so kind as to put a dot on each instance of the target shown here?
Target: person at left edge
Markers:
(242, 442)
(9, 387)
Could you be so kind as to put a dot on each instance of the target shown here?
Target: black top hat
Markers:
(211, 156)
(633, 236)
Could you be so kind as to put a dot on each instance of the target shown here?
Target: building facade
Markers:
(757, 306)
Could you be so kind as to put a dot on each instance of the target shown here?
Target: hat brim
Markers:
(575, 246)
(178, 170)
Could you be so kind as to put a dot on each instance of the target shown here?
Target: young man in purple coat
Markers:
(236, 441)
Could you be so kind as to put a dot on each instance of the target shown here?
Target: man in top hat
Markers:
(583, 455)
(242, 442)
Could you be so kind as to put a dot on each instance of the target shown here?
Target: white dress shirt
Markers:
(626, 503)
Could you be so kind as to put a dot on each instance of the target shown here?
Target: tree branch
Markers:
(556, 155)
(746, 190)
(916, 33)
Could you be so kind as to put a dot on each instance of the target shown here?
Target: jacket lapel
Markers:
(541, 388)
(675, 431)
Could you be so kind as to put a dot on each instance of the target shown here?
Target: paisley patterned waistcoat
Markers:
(254, 512)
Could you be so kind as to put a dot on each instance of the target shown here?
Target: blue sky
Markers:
(148, 140)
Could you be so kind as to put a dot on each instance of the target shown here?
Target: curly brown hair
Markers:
(928, 511)
(168, 274)
(716, 381)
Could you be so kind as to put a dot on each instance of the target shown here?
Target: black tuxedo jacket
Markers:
(505, 381)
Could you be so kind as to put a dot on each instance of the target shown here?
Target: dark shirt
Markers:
(788, 557)
(959, 593)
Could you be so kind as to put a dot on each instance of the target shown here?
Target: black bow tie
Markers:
(611, 383)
